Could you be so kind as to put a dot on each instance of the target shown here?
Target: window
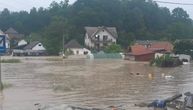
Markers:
(77, 52)
(105, 38)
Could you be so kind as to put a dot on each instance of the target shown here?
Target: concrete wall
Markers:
(80, 51)
(88, 42)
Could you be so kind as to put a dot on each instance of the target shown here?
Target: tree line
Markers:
(134, 20)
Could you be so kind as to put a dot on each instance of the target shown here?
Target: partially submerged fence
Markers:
(106, 56)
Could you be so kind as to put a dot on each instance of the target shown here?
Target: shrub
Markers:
(114, 48)
(166, 61)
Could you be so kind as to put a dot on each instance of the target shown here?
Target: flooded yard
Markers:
(89, 83)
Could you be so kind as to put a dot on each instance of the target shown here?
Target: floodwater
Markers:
(89, 83)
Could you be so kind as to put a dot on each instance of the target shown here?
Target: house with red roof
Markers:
(140, 53)
(147, 50)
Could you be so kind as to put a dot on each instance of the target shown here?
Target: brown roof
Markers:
(92, 31)
(73, 44)
(11, 31)
(167, 46)
(13, 34)
(140, 50)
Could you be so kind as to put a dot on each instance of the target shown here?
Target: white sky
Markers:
(188, 8)
(17, 5)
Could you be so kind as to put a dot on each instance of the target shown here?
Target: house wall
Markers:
(105, 33)
(129, 56)
(79, 51)
(183, 56)
(101, 33)
(146, 57)
(7, 44)
(22, 42)
(39, 46)
(158, 55)
(88, 42)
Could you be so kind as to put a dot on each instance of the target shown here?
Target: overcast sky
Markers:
(17, 5)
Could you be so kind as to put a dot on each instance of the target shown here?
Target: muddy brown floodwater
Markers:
(89, 83)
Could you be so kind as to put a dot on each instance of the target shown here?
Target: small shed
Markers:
(140, 53)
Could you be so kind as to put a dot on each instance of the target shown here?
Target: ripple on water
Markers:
(97, 83)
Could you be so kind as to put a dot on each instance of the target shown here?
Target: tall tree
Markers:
(54, 33)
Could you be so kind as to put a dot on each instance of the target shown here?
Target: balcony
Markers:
(101, 41)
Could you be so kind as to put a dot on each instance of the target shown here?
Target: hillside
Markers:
(134, 19)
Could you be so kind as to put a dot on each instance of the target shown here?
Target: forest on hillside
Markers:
(134, 20)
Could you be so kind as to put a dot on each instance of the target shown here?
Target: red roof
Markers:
(167, 46)
(140, 50)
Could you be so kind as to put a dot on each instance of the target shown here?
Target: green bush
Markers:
(113, 48)
(166, 61)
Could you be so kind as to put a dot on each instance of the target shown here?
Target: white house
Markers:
(35, 48)
(22, 42)
(76, 48)
(184, 58)
(99, 37)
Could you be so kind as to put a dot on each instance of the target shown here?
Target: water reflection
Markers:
(96, 83)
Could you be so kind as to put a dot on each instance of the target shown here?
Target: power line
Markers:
(174, 3)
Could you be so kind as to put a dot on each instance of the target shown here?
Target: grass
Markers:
(10, 61)
(54, 59)
(7, 85)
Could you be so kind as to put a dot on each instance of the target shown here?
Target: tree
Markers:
(126, 39)
(134, 20)
(54, 33)
(180, 14)
(5, 19)
(184, 47)
(113, 48)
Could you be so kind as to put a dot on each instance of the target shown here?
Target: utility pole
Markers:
(63, 55)
(63, 43)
